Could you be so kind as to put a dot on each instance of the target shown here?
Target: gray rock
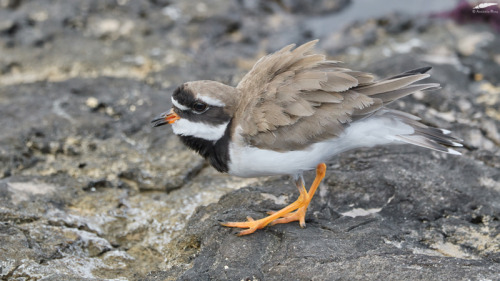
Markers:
(384, 214)
(90, 139)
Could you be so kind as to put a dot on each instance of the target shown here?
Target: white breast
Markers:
(246, 161)
(255, 162)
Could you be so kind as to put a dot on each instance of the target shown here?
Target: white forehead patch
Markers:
(210, 100)
(184, 127)
(178, 105)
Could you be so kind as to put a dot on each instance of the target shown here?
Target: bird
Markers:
(293, 112)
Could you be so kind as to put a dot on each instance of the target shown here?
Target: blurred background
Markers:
(89, 189)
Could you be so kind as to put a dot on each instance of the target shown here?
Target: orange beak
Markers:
(165, 118)
(172, 117)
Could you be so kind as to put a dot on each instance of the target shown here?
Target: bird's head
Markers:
(200, 109)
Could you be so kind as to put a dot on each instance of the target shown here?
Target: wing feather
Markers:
(292, 98)
(300, 108)
(338, 82)
(322, 97)
(390, 96)
(390, 85)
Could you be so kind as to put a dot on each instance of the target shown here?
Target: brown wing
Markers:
(293, 97)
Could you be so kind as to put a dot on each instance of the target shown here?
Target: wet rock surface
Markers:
(88, 191)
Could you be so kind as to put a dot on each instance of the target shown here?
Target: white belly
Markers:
(255, 162)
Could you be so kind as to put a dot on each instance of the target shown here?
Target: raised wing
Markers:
(299, 88)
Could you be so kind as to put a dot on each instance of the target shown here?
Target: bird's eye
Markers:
(199, 107)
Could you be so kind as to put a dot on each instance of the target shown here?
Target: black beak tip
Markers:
(156, 120)
(159, 123)
(160, 120)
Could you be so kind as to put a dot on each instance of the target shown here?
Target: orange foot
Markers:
(286, 214)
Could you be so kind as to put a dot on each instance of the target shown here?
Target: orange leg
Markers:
(300, 214)
(285, 215)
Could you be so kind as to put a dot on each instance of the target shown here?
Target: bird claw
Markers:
(286, 214)
(251, 224)
(298, 215)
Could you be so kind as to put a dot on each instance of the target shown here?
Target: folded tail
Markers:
(425, 136)
(396, 87)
